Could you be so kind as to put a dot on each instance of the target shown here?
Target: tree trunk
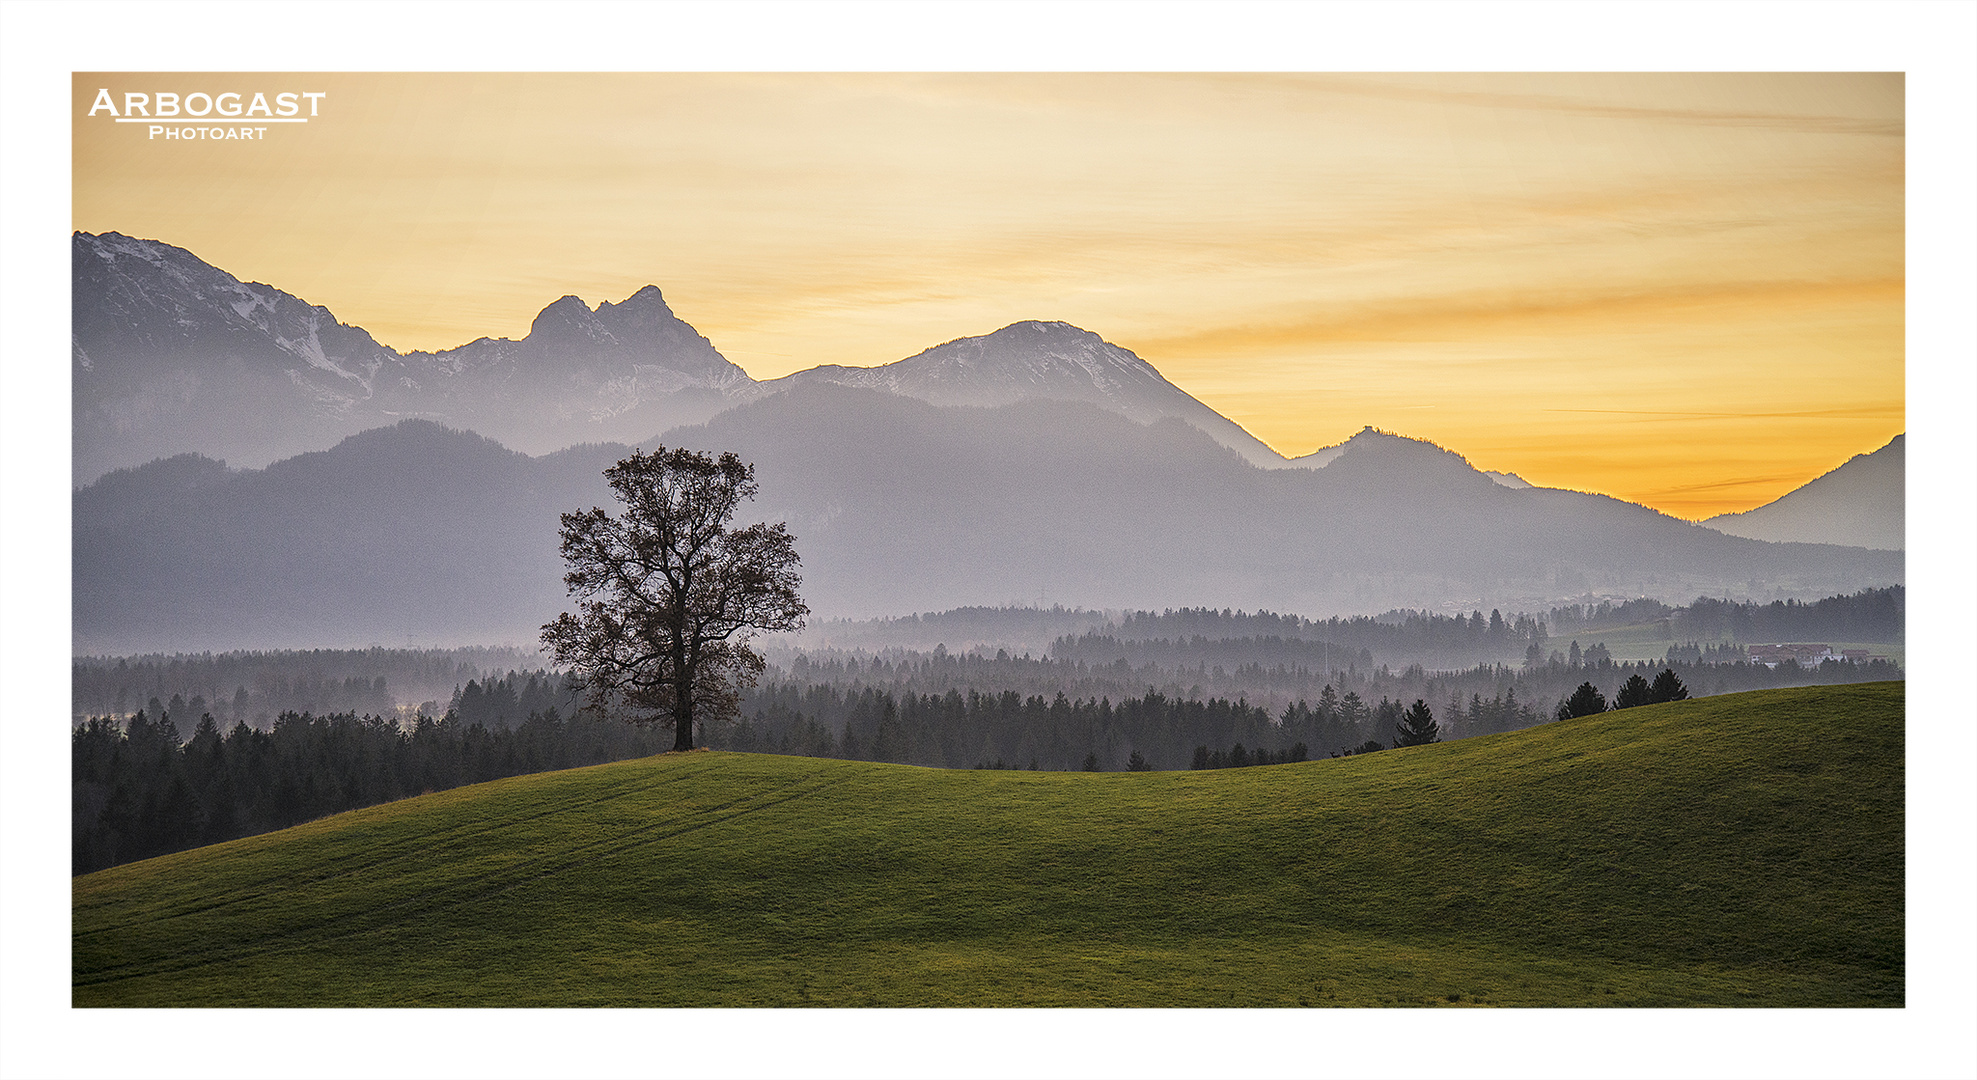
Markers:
(683, 718)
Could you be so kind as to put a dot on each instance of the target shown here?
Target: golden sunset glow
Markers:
(1680, 290)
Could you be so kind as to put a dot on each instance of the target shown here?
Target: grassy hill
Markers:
(1736, 850)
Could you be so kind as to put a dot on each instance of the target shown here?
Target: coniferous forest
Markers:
(141, 791)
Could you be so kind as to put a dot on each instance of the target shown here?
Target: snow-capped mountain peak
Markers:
(1040, 359)
(171, 354)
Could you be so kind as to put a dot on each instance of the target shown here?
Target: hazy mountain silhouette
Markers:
(1325, 455)
(897, 505)
(1860, 504)
(411, 532)
(1051, 361)
(171, 355)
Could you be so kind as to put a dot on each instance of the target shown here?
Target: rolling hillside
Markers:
(1738, 850)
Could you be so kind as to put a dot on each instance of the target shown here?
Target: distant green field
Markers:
(1737, 850)
(1640, 641)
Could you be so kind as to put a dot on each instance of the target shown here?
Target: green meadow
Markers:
(1740, 850)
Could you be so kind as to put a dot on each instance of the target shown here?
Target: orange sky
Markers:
(1682, 290)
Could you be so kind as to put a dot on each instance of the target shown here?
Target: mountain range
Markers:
(173, 355)
(418, 532)
(254, 473)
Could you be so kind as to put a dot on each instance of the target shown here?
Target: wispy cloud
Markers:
(1887, 127)
(1882, 411)
(1458, 316)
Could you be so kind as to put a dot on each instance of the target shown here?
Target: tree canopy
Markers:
(669, 594)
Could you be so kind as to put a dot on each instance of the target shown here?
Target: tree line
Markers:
(1869, 615)
(1010, 730)
(1877, 615)
(972, 729)
(1540, 683)
(139, 789)
(255, 686)
(1396, 637)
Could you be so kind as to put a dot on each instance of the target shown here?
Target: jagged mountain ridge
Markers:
(420, 531)
(174, 355)
(590, 373)
(1861, 504)
(171, 354)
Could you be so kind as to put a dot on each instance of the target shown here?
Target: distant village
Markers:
(1806, 655)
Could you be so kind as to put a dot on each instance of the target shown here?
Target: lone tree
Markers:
(1417, 726)
(669, 596)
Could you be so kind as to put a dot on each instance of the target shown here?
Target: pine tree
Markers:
(1667, 687)
(1417, 726)
(1387, 715)
(1585, 701)
(1633, 692)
